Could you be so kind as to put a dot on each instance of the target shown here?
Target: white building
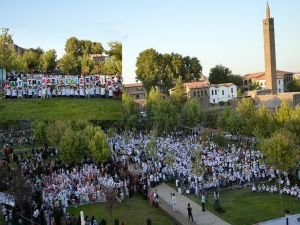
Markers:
(222, 92)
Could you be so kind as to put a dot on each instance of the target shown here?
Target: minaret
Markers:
(270, 56)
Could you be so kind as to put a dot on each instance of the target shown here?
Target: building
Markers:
(222, 92)
(98, 57)
(137, 92)
(270, 54)
(198, 90)
(283, 79)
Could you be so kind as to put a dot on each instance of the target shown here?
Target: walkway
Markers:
(200, 218)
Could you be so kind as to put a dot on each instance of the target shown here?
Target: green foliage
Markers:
(112, 66)
(160, 70)
(179, 93)
(254, 86)
(281, 150)
(166, 116)
(99, 147)
(55, 131)
(147, 71)
(70, 149)
(191, 114)
(263, 125)
(73, 47)
(153, 99)
(294, 86)
(115, 49)
(246, 110)
(31, 59)
(7, 51)
(40, 131)
(130, 111)
(219, 74)
(282, 114)
(48, 61)
(69, 64)
(87, 64)
(211, 118)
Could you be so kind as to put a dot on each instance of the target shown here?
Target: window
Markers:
(231, 90)
(212, 92)
(222, 92)
(194, 93)
(279, 90)
(205, 92)
(201, 93)
(279, 83)
(137, 96)
(198, 93)
(215, 92)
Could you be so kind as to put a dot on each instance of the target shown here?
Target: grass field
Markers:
(133, 211)
(242, 207)
(60, 109)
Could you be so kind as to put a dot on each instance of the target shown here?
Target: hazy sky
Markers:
(227, 32)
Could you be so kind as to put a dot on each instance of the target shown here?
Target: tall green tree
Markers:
(48, 61)
(282, 114)
(99, 147)
(219, 74)
(87, 64)
(69, 64)
(191, 114)
(31, 60)
(179, 93)
(153, 99)
(112, 66)
(246, 110)
(263, 123)
(73, 47)
(130, 111)
(192, 69)
(40, 132)
(115, 49)
(55, 130)
(7, 51)
(148, 68)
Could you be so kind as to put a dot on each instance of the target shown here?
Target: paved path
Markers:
(200, 218)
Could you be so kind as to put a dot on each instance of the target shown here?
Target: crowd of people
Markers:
(55, 86)
(16, 137)
(139, 163)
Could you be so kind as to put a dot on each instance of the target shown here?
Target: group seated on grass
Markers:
(71, 86)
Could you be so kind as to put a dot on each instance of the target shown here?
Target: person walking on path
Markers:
(203, 202)
(189, 209)
(174, 202)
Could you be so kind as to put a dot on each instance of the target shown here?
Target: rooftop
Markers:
(261, 75)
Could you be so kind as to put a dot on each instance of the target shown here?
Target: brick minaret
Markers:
(270, 56)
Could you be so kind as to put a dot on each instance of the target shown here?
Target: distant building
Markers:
(98, 57)
(137, 92)
(283, 79)
(198, 90)
(222, 92)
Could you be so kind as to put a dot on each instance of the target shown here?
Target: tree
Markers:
(147, 71)
(191, 113)
(179, 92)
(166, 116)
(31, 59)
(48, 61)
(97, 48)
(69, 64)
(153, 99)
(73, 47)
(70, 148)
(192, 69)
(99, 147)
(40, 132)
(55, 130)
(115, 49)
(281, 151)
(87, 64)
(246, 110)
(263, 129)
(282, 114)
(6, 50)
(112, 66)
(130, 112)
(236, 79)
(219, 74)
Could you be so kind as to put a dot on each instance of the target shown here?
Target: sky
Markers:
(227, 32)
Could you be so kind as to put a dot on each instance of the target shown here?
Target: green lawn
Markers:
(133, 211)
(51, 109)
(242, 207)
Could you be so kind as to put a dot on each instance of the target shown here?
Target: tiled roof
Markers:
(133, 85)
(193, 85)
(261, 75)
(224, 84)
